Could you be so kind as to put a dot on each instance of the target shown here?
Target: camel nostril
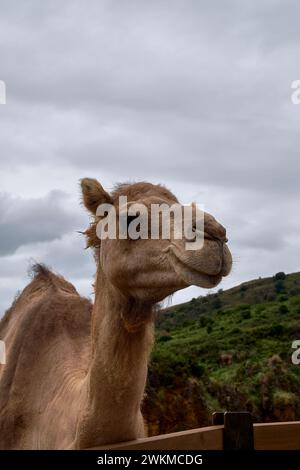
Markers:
(221, 234)
(222, 231)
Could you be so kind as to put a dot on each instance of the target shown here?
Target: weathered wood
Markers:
(277, 436)
(238, 431)
(218, 418)
(267, 436)
(210, 438)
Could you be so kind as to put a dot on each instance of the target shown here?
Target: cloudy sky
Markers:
(194, 95)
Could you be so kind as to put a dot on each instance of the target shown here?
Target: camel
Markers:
(75, 372)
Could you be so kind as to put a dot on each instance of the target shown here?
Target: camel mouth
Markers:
(192, 276)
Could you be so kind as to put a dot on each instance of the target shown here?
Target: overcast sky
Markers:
(192, 94)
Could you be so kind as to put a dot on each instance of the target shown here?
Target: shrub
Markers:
(197, 369)
(276, 330)
(242, 307)
(217, 303)
(283, 309)
(235, 331)
(280, 276)
(246, 314)
(259, 309)
(279, 286)
(295, 302)
(295, 291)
(203, 322)
(164, 338)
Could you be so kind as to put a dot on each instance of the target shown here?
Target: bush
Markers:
(295, 291)
(280, 276)
(217, 303)
(197, 369)
(164, 338)
(276, 330)
(283, 309)
(203, 322)
(242, 307)
(279, 286)
(246, 314)
(236, 331)
(259, 309)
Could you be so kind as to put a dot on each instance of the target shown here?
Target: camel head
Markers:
(150, 269)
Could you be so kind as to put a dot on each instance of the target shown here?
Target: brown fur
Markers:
(133, 192)
(49, 315)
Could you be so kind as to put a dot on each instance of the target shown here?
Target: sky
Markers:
(193, 95)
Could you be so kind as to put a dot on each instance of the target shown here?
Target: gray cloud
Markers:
(27, 221)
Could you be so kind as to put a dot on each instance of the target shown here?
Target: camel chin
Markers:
(194, 278)
(193, 270)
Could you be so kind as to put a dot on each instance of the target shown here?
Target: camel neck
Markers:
(122, 337)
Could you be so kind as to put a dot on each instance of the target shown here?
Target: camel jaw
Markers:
(194, 277)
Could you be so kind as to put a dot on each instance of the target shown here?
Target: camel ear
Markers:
(93, 194)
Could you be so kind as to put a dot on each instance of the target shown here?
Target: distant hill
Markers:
(227, 351)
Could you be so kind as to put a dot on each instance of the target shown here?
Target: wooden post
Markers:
(238, 429)
(218, 418)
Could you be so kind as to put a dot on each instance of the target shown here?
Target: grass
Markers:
(227, 351)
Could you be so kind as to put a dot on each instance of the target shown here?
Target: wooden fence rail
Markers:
(231, 431)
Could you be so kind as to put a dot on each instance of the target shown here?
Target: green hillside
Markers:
(227, 351)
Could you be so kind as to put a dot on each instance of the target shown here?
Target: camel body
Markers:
(47, 337)
(75, 373)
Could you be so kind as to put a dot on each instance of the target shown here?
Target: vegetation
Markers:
(227, 351)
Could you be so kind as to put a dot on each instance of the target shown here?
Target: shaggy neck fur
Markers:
(115, 383)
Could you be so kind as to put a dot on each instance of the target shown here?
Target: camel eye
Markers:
(133, 232)
(130, 218)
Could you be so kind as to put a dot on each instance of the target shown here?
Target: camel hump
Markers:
(43, 277)
(46, 292)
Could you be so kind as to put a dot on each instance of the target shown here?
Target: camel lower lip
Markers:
(193, 277)
(203, 279)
